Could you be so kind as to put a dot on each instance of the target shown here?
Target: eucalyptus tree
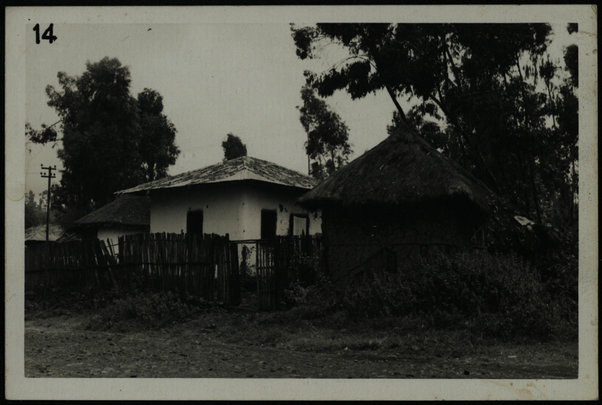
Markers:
(110, 140)
(327, 145)
(486, 95)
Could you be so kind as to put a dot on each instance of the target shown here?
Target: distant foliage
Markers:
(233, 147)
(34, 211)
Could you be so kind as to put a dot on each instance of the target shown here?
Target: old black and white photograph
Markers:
(384, 202)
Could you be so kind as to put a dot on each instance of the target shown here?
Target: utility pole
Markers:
(49, 175)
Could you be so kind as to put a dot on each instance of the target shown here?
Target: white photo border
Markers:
(19, 387)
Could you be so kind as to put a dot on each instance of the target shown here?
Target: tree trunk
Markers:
(397, 105)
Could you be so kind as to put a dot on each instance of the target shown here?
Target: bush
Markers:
(295, 294)
(57, 301)
(494, 296)
(154, 310)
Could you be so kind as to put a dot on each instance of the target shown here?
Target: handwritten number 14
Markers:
(47, 35)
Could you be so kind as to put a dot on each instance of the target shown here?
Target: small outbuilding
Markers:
(395, 202)
(125, 215)
(37, 234)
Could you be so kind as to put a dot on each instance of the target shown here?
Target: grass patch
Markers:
(65, 302)
(147, 310)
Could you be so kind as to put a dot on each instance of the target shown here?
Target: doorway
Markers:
(194, 222)
(268, 224)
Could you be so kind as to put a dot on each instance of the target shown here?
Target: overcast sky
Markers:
(214, 79)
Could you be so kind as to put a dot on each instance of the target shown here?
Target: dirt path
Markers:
(62, 347)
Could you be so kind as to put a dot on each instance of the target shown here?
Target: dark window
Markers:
(268, 224)
(194, 222)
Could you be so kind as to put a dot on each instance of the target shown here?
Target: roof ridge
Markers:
(283, 168)
(227, 171)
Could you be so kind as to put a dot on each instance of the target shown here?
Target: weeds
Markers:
(65, 302)
(151, 310)
(480, 294)
(493, 296)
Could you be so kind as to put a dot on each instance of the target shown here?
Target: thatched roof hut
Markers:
(402, 169)
(398, 200)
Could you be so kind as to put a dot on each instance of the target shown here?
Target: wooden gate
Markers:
(267, 291)
(286, 259)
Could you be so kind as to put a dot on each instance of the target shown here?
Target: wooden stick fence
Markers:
(204, 266)
(75, 265)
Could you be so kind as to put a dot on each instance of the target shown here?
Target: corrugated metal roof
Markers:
(38, 233)
(242, 168)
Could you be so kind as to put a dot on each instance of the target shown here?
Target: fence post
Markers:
(234, 275)
(258, 274)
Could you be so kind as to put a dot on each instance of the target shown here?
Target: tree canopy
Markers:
(486, 95)
(327, 144)
(233, 147)
(110, 140)
(157, 149)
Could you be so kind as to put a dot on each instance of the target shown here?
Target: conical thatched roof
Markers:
(402, 169)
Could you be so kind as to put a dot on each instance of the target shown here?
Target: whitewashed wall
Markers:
(283, 201)
(113, 234)
(232, 207)
(221, 207)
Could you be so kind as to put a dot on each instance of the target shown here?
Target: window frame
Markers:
(291, 223)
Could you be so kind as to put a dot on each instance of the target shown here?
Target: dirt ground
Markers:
(239, 345)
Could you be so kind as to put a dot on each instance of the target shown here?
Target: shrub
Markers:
(154, 310)
(499, 296)
(295, 294)
(65, 301)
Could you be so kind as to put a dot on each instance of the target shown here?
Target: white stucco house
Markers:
(246, 198)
